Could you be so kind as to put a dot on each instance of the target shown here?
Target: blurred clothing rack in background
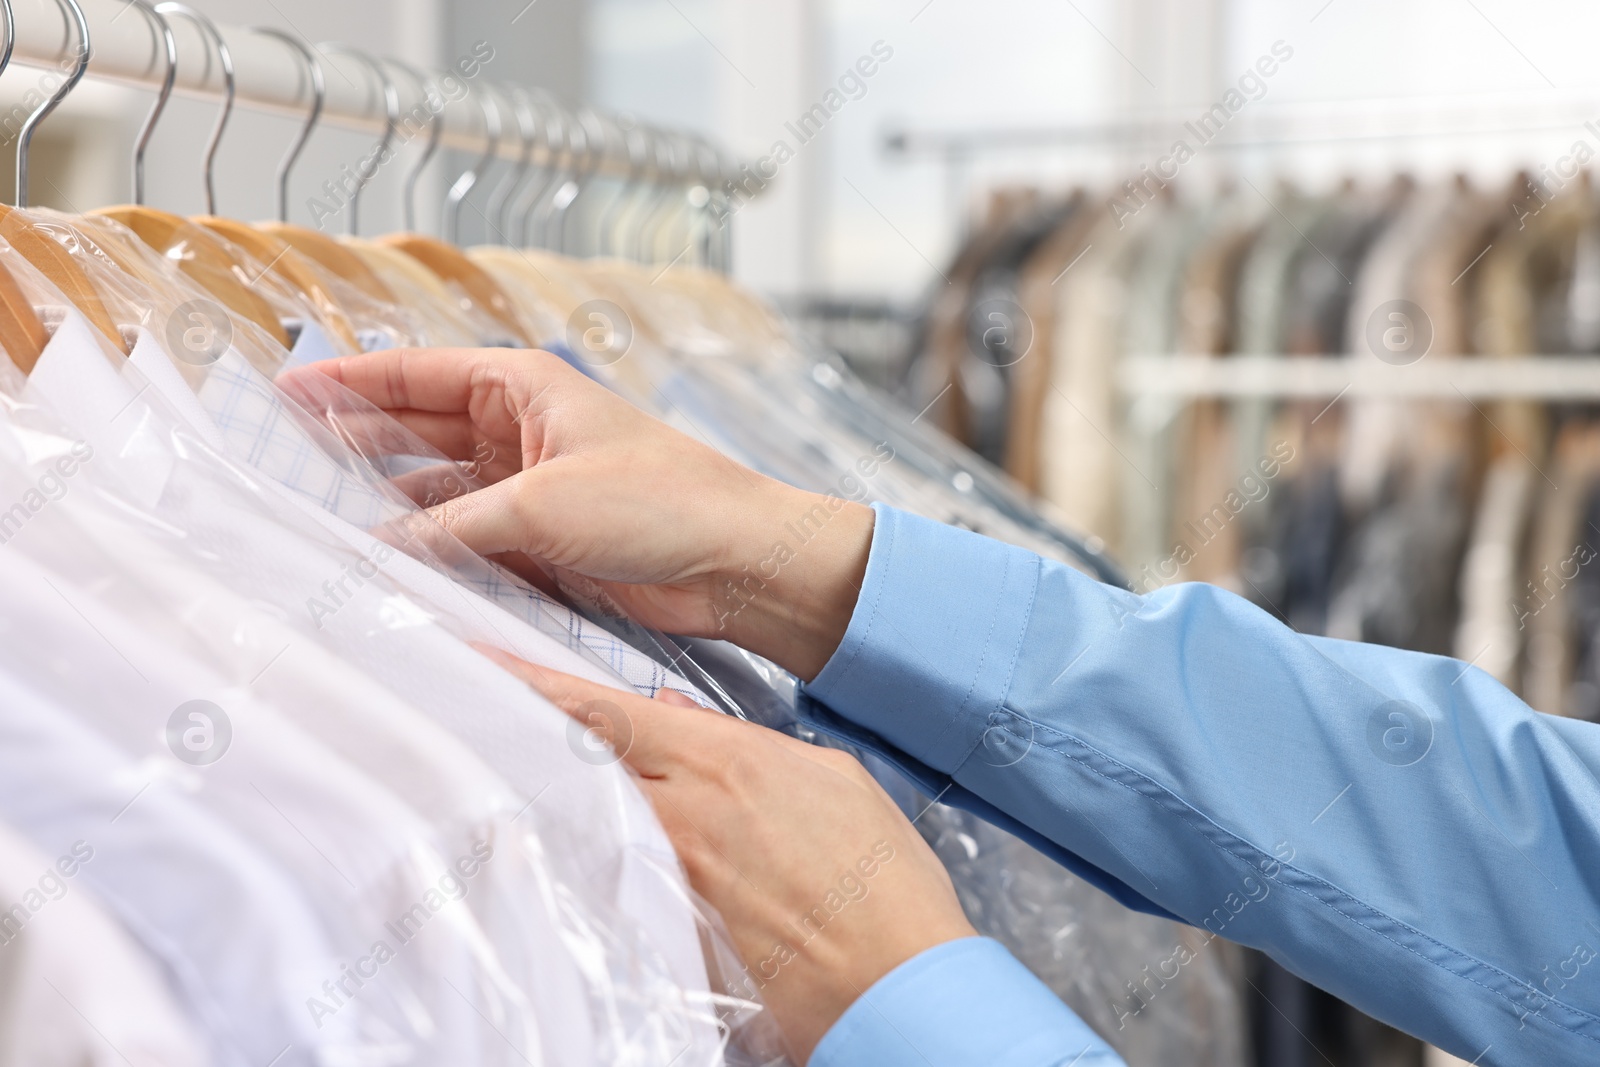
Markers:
(1549, 378)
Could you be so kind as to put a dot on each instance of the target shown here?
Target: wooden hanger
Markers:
(50, 258)
(286, 263)
(22, 335)
(332, 255)
(58, 266)
(452, 264)
(209, 262)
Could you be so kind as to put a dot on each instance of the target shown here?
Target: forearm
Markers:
(1253, 781)
(790, 593)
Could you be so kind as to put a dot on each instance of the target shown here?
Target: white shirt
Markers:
(243, 415)
(601, 841)
(75, 991)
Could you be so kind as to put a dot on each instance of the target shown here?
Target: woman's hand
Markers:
(823, 883)
(683, 538)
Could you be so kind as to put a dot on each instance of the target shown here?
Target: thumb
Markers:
(493, 519)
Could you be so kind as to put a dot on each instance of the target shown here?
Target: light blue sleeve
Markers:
(1397, 828)
(967, 1003)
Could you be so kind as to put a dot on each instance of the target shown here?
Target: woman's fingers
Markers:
(651, 736)
(431, 379)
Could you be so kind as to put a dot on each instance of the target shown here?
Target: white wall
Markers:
(845, 218)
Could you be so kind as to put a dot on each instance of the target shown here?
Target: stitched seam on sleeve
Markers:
(983, 657)
(1190, 814)
(854, 654)
(1011, 667)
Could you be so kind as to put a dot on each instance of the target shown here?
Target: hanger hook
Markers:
(10, 40)
(391, 122)
(74, 12)
(667, 178)
(631, 224)
(558, 145)
(594, 150)
(463, 185)
(573, 164)
(209, 30)
(319, 93)
(435, 130)
(169, 45)
(548, 130)
(500, 199)
(633, 135)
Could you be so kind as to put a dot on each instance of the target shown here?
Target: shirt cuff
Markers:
(965, 1003)
(926, 665)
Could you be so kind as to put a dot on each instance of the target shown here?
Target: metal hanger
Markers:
(22, 333)
(319, 92)
(391, 121)
(551, 129)
(593, 151)
(469, 178)
(572, 163)
(535, 223)
(225, 58)
(528, 130)
(715, 250)
(633, 137)
(631, 224)
(169, 45)
(660, 211)
(74, 12)
(435, 131)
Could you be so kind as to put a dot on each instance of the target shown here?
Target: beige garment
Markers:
(1205, 451)
(1530, 260)
(1037, 292)
(1081, 464)
(1376, 428)
(1559, 546)
(937, 373)
(1488, 635)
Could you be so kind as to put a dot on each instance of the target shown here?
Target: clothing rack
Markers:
(1254, 131)
(1540, 377)
(270, 77)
